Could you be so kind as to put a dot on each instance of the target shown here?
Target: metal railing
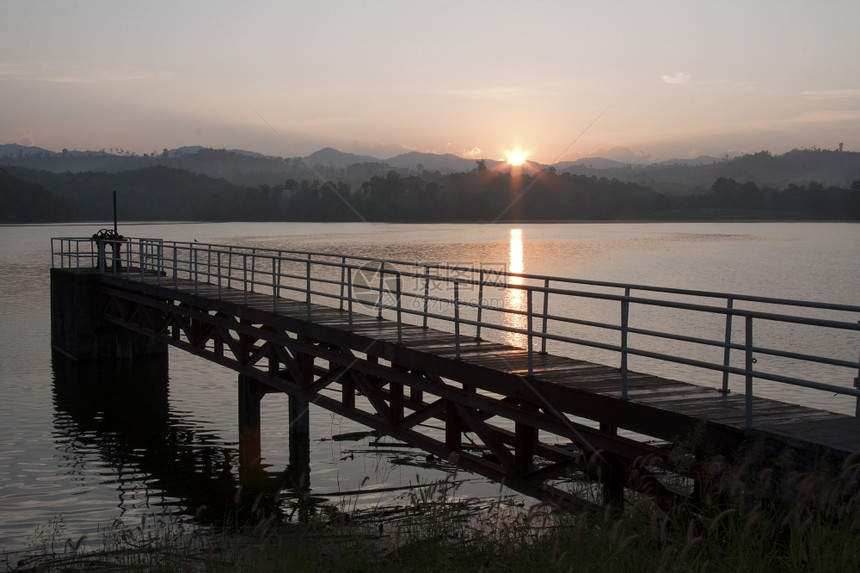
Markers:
(803, 344)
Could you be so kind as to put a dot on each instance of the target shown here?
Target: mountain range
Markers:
(799, 167)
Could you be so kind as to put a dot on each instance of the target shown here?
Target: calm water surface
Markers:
(93, 443)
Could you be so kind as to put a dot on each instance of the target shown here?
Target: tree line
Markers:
(483, 195)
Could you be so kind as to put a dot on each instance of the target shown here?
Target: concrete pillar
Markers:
(251, 394)
(300, 443)
(77, 328)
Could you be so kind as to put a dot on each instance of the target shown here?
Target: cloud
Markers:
(26, 139)
(850, 93)
(498, 92)
(678, 78)
(474, 152)
(40, 72)
(833, 116)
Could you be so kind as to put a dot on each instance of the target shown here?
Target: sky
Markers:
(637, 81)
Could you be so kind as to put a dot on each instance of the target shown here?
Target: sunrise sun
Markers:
(516, 156)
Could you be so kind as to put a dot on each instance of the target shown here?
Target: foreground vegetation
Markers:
(750, 521)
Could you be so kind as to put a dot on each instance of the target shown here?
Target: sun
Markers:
(516, 156)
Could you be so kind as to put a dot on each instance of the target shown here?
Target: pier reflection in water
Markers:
(157, 459)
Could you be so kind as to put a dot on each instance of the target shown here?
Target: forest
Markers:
(482, 194)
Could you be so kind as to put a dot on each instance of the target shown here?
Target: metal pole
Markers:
(457, 319)
(381, 287)
(276, 283)
(308, 286)
(253, 268)
(114, 213)
(749, 372)
(245, 277)
(529, 337)
(342, 279)
(349, 300)
(230, 266)
(426, 293)
(399, 309)
(545, 313)
(727, 350)
(480, 304)
(625, 319)
(219, 275)
(160, 258)
(857, 385)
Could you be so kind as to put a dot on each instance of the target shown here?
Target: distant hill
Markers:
(15, 150)
(681, 176)
(797, 167)
(445, 163)
(330, 157)
(590, 163)
(25, 201)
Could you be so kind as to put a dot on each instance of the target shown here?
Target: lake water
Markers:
(93, 443)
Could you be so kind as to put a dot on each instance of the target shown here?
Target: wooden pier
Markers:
(400, 349)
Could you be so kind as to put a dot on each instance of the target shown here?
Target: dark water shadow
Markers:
(120, 409)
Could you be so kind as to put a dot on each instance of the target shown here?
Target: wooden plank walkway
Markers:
(657, 408)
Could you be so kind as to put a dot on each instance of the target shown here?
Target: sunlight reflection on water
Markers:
(515, 298)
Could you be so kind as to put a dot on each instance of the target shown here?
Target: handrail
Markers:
(520, 309)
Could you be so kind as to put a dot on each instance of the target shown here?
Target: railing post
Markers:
(349, 295)
(625, 320)
(175, 267)
(381, 287)
(218, 261)
(545, 313)
(727, 349)
(229, 266)
(276, 282)
(142, 260)
(457, 319)
(749, 370)
(127, 262)
(196, 270)
(529, 337)
(253, 267)
(308, 286)
(399, 308)
(101, 256)
(480, 304)
(857, 385)
(160, 258)
(342, 279)
(426, 293)
(245, 278)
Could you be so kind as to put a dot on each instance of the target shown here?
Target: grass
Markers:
(752, 519)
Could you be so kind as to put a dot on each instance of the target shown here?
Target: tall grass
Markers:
(752, 518)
